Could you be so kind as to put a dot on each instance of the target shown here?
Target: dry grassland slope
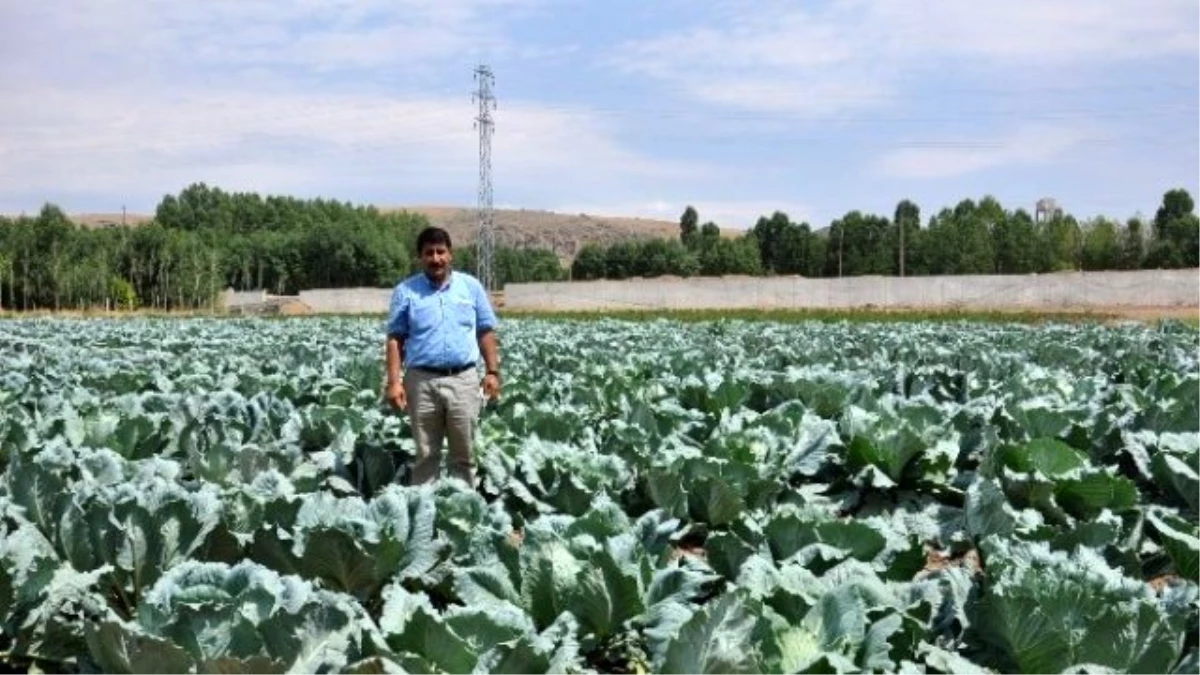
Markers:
(562, 233)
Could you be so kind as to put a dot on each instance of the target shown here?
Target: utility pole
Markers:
(483, 122)
(904, 210)
(841, 240)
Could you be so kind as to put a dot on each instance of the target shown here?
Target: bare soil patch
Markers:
(1154, 313)
(1160, 583)
(940, 560)
(516, 538)
(1118, 313)
(695, 551)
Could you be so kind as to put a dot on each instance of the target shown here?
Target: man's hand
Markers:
(491, 386)
(396, 396)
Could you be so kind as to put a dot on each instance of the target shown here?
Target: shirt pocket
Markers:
(462, 312)
(425, 315)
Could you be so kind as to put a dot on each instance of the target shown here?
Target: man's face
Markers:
(435, 258)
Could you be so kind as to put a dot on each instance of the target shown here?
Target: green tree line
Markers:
(973, 237)
(204, 240)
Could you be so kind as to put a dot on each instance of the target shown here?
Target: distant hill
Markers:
(109, 219)
(562, 233)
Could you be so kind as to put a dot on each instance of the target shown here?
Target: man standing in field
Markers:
(439, 324)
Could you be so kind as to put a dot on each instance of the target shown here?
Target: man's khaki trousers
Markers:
(443, 408)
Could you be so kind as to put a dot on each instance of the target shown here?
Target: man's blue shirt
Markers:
(440, 325)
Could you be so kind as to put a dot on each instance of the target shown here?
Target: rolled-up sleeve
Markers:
(485, 316)
(397, 321)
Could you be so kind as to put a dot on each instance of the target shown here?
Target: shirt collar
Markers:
(429, 282)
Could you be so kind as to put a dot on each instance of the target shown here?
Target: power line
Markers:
(487, 236)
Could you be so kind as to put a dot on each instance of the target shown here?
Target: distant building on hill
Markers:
(1047, 208)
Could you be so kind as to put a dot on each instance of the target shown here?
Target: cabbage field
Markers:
(229, 495)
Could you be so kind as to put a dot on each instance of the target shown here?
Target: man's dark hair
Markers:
(432, 236)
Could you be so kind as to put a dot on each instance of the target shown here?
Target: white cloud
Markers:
(853, 54)
(132, 100)
(1032, 144)
(308, 34)
(794, 61)
(1040, 31)
(305, 143)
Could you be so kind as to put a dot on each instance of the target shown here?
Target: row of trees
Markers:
(973, 237)
(49, 262)
(204, 240)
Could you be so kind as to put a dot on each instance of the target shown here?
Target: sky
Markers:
(609, 107)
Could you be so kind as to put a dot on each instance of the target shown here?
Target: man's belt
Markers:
(444, 372)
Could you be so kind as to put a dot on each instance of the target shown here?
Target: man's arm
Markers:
(396, 329)
(485, 329)
(489, 347)
(395, 357)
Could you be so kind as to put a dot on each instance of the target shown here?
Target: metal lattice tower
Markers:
(487, 235)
